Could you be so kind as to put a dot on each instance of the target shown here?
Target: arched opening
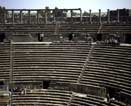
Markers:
(99, 37)
(128, 38)
(70, 37)
(40, 37)
(46, 84)
(2, 37)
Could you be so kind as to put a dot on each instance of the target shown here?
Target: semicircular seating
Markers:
(4, 61)
(50, 97)
(57, 61)
(124, 28)
(42, 97)
(109, 66)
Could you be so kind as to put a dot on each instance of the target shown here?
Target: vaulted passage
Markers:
(2, 37)
(128, 38)
(99, 37)
(46, 84)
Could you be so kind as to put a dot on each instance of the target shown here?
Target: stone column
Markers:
(12, 16)
(80, 15)
(90, 17)
(108, 16)
(54, 19)
(99, 16)
(21, 17)
(4, 17)
(37, 16)
(71, 15)
(29, 17)
(118, 16)
(46, 18)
